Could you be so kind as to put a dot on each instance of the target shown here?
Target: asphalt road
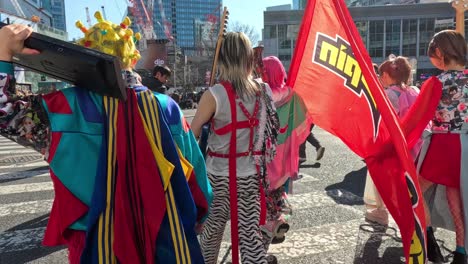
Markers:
(327, 225)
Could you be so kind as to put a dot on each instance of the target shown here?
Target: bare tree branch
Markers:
(248, 30)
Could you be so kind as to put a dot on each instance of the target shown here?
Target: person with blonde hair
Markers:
(242, 141)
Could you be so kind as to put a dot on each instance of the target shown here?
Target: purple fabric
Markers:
(402, 99)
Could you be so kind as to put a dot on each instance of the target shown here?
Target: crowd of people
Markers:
(20, 116)
(145, 181)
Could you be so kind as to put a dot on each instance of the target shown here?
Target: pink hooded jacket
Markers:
(293, 131)
(277, 80)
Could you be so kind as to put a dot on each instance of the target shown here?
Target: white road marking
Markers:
(27, 187)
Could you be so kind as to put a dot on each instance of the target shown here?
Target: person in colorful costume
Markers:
(293, 130)
(443, 159)
(125, 192)
(242, 142)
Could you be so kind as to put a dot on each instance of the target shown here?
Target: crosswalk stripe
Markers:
(18, 151)
(316, 240)
(306, 178)
(40, 163)
(24, 174)
(27, 187)
(302, 201)
(10, 145)
(310, 200)
(311, 241)
(33, 207)
(299, 243)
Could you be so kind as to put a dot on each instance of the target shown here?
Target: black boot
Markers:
(279, 233)
(271, 259)
(458, 258)
(433, 249)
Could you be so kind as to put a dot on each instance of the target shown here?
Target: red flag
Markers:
(333, 73)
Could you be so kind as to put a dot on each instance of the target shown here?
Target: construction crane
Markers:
(142, 18)
(166, 25)
(88, 17)
(213, 19)
(103, 12)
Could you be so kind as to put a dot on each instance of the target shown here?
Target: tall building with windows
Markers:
(34, 14)
(57, 9)
(51, 12)
(299, 4)
(183, 16)
(24, 10)
(404, 29)
(400, 29)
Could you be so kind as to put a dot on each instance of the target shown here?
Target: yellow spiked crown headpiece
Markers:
(112, 39)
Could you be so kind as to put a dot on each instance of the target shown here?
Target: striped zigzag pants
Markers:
(251, 247)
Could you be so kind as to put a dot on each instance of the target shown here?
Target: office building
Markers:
(50, 12)
(33, 13)
(185, 17)
(395, 28)
(57, 9)
(299, 4)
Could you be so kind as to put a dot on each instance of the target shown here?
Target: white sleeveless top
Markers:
(220, 143)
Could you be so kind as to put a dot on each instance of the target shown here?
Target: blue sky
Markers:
(244, 11)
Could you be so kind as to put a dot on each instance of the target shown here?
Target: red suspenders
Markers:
(250, 123)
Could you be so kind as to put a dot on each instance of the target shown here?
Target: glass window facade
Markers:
(363, 29)
(407, 37)
(57, 9)
(285, 44)
(282, 31)
(397, 34)
(181, 15)
(284, 57)
(426, 31)
(392, 37)
(270, 31)
(410, 36)
(376, 43)
(442, 23)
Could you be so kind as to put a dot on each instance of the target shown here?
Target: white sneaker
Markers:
(378, 215)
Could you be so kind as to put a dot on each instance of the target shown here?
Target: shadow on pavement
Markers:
(40, 221)
(351, 190)
(315, 165)
(378, 244)
(27, 174)
(34, 250)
